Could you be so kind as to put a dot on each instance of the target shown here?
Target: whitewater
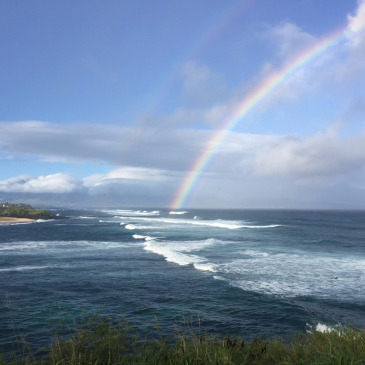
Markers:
(243, 272)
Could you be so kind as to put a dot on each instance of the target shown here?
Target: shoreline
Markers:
(15, 220)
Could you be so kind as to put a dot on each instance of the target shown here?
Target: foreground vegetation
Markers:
(24, 211)
(101, 342)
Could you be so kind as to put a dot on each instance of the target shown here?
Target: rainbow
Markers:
(259, 93)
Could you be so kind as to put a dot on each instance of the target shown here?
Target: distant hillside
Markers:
(25, 211)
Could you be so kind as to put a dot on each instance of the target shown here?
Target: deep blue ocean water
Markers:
(240, 272)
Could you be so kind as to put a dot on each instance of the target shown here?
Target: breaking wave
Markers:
(146, 238)
(181, 253)
(218, 223)
(24, 268)
(132, 213)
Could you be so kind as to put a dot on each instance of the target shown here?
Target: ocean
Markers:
(242, 272)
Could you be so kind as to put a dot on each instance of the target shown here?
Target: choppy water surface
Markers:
(242, 272)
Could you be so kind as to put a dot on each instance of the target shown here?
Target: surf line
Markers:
(259, 93)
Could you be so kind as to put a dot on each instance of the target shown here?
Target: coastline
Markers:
(15, 220)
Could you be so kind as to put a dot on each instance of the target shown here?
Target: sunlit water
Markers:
(242, 272)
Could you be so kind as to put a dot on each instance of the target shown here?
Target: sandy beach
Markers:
(15, 220)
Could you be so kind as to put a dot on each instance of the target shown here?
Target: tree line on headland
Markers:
(25, 211)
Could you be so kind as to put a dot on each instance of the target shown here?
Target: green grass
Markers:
(101, 342)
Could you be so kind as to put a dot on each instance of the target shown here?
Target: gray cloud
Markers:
(158, 153)
(114, 145)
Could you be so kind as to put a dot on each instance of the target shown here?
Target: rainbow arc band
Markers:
(259, 93)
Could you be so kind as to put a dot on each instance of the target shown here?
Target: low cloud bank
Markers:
(247, 171)
(55, 183)
(166, 156)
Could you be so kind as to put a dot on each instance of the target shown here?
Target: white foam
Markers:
(291, 275)
(262, 227)
(205, 267)
(14, 223)
(44, 220)
(179, 252)
(218, 223)
(132, 213)
(24, 268)
(323, 328)
(146, 238)
(254, 253)
(26, 247)
(155, 217)
(320, 327)
(146, 213)
(196, 222)
(156, 222)
(138, 237)
(170, 254)
(130, 226)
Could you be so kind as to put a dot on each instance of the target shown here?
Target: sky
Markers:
(173, 104)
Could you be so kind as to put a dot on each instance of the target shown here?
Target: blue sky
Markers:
(110, 103)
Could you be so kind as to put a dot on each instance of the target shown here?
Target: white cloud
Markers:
(120, 181)
(127, 175)
(55, 183)
(134, 183)
(354, 65)
(333, 73)
(322, 155)
(289, 39)
(356, 22)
